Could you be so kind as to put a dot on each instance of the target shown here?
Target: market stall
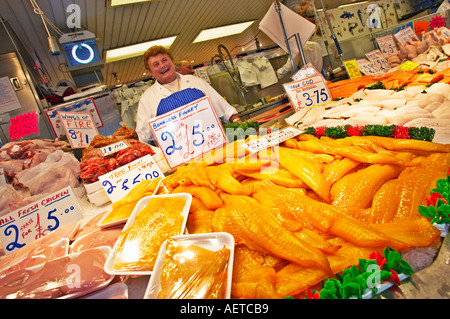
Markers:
(333, 190)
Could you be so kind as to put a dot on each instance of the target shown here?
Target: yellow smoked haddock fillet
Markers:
(384, 205)
(294, 279)
(356, 153)
(356, 190)
(193, 272)
(251, 224)
(123, 208)
(331, 220)
(416, 182)
(253, 278)
(307, 170)
(138, 246)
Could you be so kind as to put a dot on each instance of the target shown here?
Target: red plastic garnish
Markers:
(432, 200)
(312, 295)
(394, 278)
(401, 132)
(354, 130)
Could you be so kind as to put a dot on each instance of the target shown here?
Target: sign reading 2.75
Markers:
(36, 219)
(307, 92)
(188, 131)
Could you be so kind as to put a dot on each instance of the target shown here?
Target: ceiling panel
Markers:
(125, 25)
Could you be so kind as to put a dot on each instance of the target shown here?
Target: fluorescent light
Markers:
(124, 2)
(135, 50)
(220, 32)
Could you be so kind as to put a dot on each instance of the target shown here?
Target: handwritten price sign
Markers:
(119, 182)
(80, 128)
(387, 45)
(405, 35)
(113, 148)
(35, 220)
(366, 67)
(376, 57)
(188, 131)
(271, 139)
(307, 92)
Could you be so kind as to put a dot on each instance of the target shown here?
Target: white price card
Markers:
(387, 45)
(188, 131)
(271, 139)
(113, 148)
(376, 57)
(307, 92)
(445, 32)
(36, 219)
(405, 35)
(120, 181)
(80, 128)
(367, 67)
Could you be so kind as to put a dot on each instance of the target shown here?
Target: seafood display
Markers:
(312, 207)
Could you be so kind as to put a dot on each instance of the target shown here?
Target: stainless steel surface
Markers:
(432, 282)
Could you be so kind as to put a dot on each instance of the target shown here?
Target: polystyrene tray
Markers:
(109, 264)
(124, 220)
(211, 241)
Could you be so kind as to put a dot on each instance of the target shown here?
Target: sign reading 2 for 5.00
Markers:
(188, 131)
(308, 92)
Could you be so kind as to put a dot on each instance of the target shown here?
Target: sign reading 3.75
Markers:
(307, 92)
(188, 131)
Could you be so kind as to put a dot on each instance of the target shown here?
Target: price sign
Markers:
(269, 140)
(35, 220)
(408, 65)
(387, 45)
(80, 128)
(113, 148)
(120, 181)
(366, 67)
(376, 57)
(445, 32)
(405, 35)
(188, 131)
(307, 92)
(352, 69)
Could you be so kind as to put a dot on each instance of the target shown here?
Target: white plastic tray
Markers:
(211, 241)
(124, 220)
(109, 264)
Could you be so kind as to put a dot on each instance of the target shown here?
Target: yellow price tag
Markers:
(352, 69)
(408, 65)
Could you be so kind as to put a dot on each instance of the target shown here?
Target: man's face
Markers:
(162, 68)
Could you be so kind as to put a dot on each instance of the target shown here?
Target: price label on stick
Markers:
(367, 67)
(271, 139)
(307, 92)
(37, 219)
(405, 35)
(80, 128)
(376, 57)
(387, 45)
(188, 131)
(120, 181)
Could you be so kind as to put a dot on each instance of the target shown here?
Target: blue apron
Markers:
(178, 99)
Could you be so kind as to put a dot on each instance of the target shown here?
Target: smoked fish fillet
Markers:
(138, 246)
(251, 224)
